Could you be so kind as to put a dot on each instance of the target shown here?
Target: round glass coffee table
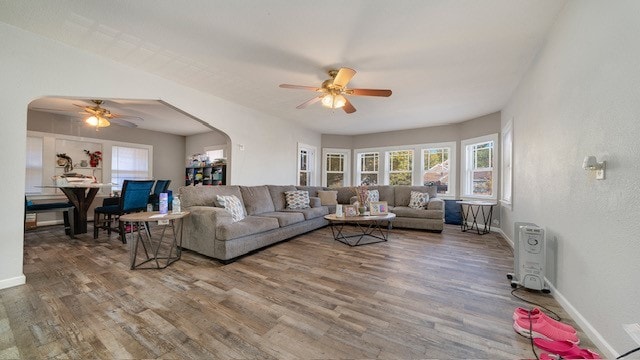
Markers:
(368, 227)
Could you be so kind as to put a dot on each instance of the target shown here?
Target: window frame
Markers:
(451, 147)
(388, 163)
(359, 172)
(346, 165)
(310, 165)
(466, 181)
(506, 170)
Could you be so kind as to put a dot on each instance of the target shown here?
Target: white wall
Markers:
(33, 67)
(582, 97)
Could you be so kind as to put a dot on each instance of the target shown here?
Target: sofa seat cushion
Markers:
(257, 199)
(285, 218)
(311, 213)
(247, 226)
(405, 211)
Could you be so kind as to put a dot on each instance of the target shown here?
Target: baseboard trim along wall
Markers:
(18, 280)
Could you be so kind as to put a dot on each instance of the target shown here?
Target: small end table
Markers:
(141, 234)
(475, 208)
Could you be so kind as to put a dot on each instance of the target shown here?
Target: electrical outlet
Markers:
(633, 330)
(241, 147)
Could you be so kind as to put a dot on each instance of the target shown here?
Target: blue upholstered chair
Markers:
(161, 187)
(134, 198)
(65, 207)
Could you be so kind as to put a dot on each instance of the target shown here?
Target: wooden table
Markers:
(141, 234)
(369, 226)
(475, 208)
(81, 196)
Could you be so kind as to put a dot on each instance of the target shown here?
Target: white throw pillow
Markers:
(232, 204)
(418, 200)
(298, 199)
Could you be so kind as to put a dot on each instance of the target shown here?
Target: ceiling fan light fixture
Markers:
(97, 121)
(333, 101)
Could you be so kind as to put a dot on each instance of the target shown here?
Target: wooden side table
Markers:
(475, 208)
(154, 252)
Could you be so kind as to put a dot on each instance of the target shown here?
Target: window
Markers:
(479, 179)
(214, 154)
(129, 163)
(306, 165)
(336, 167)
(400, 167)
(368, 168)
(436, 167)
(506, 171)
(34, 165)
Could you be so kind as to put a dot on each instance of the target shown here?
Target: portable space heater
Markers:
(529, 257)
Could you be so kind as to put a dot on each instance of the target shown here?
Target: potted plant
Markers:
(94, 157)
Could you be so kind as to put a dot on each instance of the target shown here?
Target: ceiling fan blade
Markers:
(348, 107)
(343, 77)
(369, 92)
(309, 102)
(301, 87)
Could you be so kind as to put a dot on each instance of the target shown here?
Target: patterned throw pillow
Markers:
(372, 195)
(298, 199)
(418, 200)
(232, 204)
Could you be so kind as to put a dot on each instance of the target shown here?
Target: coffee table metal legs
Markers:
(141, 235)
(372, 229)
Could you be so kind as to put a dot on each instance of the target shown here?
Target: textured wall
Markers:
(582, 97)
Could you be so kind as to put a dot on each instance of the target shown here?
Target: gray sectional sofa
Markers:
(210, 230)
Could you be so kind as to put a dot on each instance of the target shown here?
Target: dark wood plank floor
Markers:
(420, 295)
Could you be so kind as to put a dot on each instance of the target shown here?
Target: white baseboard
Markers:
(589, 330)
(18, 280)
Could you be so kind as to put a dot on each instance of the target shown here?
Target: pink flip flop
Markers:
(565, 349)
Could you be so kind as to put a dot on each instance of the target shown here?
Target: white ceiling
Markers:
(445, 60)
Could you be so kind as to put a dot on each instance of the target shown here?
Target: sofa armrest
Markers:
(206, 218)
(435, 204)
(314, 201)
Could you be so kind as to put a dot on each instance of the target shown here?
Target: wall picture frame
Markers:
(350, 210)
(379, 208)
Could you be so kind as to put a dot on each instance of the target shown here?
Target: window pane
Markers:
(335, 162)
(303, 160)
(482, 181)
(436, 168)
(369, 162)
(335, 180)
(483, 155)
(400, 179)
(369, 179)
(129, 164)
(401, 160)
(303, 179)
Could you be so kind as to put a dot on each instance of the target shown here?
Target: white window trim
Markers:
(453, 165)
(465, 164)
(347, 164)
(313, 164)
(506, 197)
(417, 163)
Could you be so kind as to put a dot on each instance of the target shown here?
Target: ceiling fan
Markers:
(333, 91)
(101, 117)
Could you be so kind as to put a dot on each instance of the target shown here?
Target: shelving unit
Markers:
(207, 175)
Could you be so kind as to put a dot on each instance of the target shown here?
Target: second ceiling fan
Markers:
(333, 91)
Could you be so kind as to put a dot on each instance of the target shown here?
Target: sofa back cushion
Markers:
(257, 199)
(403, 193)
(386, 193)
(345, 194)
(206, 195)
(313, 190)
(277, 195)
